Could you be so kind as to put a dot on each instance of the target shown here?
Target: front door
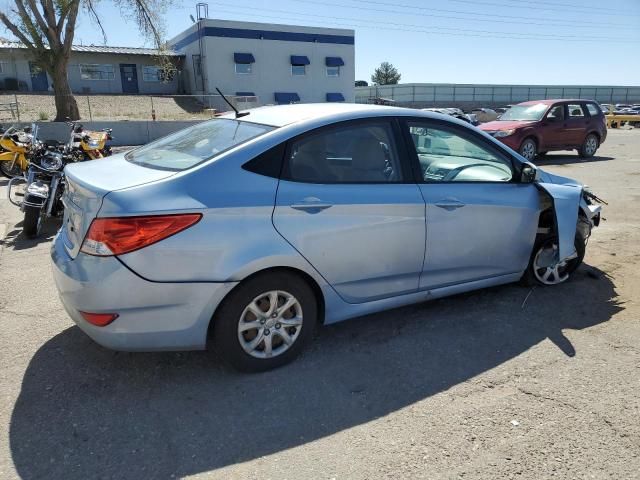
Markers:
(481, 223)
(129, 77)
(553, 129)
(39, 80)
(343, 204)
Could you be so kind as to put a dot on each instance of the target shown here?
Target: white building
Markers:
(276, 63)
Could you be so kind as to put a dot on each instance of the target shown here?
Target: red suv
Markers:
(536, 127)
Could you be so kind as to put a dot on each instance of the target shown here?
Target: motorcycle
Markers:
(88, 144)
(44, 186)
(15, 149)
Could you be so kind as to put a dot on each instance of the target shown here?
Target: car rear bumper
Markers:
(152, 315)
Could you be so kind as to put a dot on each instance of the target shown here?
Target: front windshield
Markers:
(194, 145)
(525, 112)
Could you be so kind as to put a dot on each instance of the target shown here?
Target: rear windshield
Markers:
(194, 145)
(525, 112)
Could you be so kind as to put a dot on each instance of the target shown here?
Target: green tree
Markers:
(386, 74)
(46, 29)
(361, 83)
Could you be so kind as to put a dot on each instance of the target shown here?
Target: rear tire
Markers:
(251, 335)
(32, 224)
(8, 171)
(589, 146)
(528, 149)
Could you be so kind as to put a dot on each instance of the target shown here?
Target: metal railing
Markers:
(431, 94)
(109, 107)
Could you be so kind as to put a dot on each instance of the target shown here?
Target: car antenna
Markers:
(238, 114)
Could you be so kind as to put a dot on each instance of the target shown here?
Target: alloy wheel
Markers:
(546, 267)
(270, 324)
(528, 150)
(591, 145)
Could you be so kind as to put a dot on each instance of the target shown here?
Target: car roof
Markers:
(281, 115)
(556, 100)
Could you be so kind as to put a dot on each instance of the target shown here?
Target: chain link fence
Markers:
(41, 107)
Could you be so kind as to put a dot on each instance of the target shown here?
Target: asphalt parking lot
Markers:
(502, 383)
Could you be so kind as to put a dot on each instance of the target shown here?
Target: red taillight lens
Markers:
(117, 236)
(99, 319)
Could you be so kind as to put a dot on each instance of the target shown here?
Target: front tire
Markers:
(265, 322)
(32, 224)
(528, 149)
(589, 146)
(541, 271)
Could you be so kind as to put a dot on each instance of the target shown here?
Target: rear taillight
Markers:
(99, 319)
(117, 236)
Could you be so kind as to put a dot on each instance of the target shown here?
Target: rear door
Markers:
(481, 222)
(347, 203)
(577, 124)
(129, 77)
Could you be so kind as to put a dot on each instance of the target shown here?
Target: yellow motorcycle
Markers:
(15, 149)
(88, 144)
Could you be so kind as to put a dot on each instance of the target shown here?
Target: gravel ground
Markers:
(35, 107)
(500, 383)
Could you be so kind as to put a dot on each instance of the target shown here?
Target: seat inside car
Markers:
(309, 162)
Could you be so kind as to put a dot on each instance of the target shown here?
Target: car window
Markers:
(575, 110)
(556, 112)
(362, 153)
(191, 146)
(446, 156)
(593, 109)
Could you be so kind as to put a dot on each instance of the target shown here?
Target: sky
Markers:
(573, 42)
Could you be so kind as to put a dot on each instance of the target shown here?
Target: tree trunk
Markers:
(66, 106)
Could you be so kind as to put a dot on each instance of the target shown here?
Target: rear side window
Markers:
(575, 110)
(360, 153)
(194, 145)
(593, 109)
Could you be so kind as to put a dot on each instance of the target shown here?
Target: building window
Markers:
(243, 68)
(153, 73)
(4, 67)
(94, 71)
(333, 71)
(298, 69)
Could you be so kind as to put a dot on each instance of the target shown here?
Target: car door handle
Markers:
(311, 204)
(449, 203)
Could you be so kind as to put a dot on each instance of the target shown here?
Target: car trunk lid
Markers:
(87, 184)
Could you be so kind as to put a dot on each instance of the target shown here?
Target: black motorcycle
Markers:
(44, 187)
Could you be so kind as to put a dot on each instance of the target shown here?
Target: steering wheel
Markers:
(456, 171)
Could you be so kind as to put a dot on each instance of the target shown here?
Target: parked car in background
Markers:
(539, 126)
(456, 113)
(245, 233)
(485, 115)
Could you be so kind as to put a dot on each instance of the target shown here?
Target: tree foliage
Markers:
(386, 74)
(46, 28)
(361, 83)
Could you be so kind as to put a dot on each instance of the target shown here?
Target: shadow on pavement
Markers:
(568, 159)
(15, 239)
(86, 412)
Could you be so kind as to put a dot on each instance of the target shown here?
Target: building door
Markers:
(39, 80)
(129, 76)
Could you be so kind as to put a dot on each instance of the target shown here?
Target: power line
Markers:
(572, 5)
(421, 28)
(555, 7)
(494, 18)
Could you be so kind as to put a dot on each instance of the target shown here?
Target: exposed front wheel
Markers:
(528, 149)
(265, 322)
(544, 267)
(589, 147)
(10, 169)
(32, 224)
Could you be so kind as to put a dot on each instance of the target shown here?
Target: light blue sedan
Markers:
(244, 234)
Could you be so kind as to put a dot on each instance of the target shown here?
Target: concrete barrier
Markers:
(124, 132)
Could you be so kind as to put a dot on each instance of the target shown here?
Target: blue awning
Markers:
(335, 97)
(245, 94)
(243, 58)
(334, 62)
(286, 97)
(299, 60)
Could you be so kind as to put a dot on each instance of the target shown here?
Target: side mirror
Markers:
(529, 174)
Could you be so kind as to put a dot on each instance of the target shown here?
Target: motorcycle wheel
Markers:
(32, 224)
(8, 170)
